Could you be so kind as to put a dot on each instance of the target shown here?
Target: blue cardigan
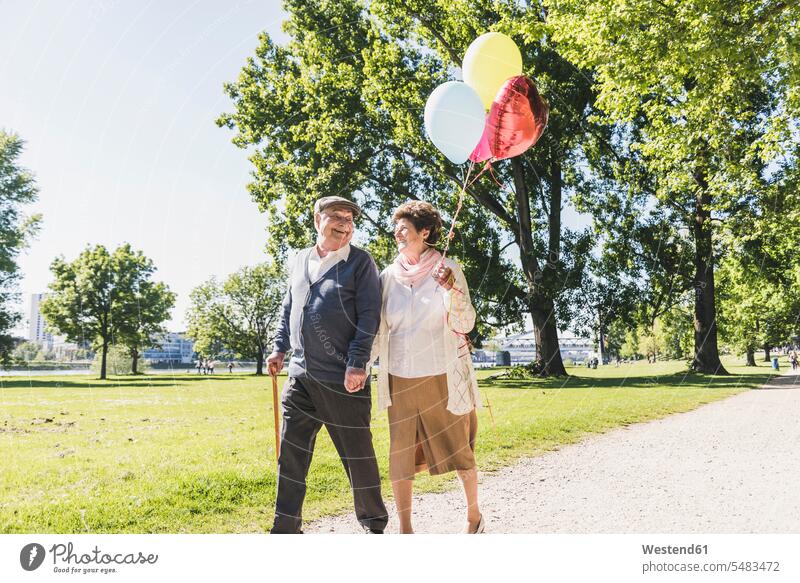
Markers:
(330, 324)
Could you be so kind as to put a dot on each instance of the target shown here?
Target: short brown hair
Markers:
(423, 215)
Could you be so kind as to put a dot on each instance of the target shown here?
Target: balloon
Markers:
(454, 120)
(515, 123)
(483, 151)
(489, 61)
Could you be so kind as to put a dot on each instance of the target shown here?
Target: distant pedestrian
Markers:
(793, 359)
(230, 367)
(210, 365)
(199, 365)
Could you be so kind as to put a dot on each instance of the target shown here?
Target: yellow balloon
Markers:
(490, 61)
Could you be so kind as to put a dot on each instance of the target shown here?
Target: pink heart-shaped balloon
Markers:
(515, 122)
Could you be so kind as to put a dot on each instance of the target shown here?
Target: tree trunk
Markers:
(706, 352)
(135, 361)
(766, 352)
(103, 361)
(602, 345)
(751, 356)
(548, 351)
(260, 363)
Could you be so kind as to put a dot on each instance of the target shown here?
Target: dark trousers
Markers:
(307, 406)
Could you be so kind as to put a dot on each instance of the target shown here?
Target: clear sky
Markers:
(116, 102)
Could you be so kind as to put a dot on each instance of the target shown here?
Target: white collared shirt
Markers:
(318, 266)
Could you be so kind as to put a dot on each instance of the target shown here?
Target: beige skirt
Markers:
(423, 434)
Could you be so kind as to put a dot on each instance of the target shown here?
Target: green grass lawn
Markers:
(196, 454)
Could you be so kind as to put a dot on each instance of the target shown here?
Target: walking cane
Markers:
(274, 374)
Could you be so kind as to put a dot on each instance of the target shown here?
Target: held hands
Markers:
(275, 362)
(354, 379)
(444, 276)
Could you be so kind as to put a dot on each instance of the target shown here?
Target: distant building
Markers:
(522, 347)
(173, 348)
(36, 330)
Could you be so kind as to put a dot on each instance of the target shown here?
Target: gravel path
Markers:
(732, 466)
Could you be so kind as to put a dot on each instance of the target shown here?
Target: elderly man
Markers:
(330, 317)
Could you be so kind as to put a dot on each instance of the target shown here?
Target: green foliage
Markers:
(338, 110)
(522, 371)
(102, 296)
(699, 93)
(630, 344)
(118, 361)
(26, 351)
(678, 331)
(240, 315)
(143, 313)
(17, 189)
(651, 341)
(759, 306)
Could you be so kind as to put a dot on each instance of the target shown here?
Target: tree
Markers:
(630, 344)
(145, 310)
(338, 110)
(678, 331)
(17, 189)
(704, 85)
(759, 303)
(96, 298)
(609, 299)
(118, 361)
(652, 341)
(26, 351)
(240, 315)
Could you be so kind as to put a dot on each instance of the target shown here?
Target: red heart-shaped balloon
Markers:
(515, 122)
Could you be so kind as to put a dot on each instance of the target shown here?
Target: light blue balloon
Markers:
(454, 120)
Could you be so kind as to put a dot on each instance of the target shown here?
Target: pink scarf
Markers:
(411, 274)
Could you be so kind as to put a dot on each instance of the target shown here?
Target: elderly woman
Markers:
(426, 377)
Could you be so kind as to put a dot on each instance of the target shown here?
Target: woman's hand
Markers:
(444, 276)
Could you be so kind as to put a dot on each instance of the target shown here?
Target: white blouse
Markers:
(438, 314)
(416, 323)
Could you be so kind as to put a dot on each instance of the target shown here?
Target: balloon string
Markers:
(496, 181)
(458, 210)
(466, 184)
(466, 341)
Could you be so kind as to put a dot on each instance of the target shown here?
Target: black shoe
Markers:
(368, 530)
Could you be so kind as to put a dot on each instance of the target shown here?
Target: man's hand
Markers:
(354, 379)
(275, 362)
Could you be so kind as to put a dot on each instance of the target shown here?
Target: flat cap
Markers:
(329, 202)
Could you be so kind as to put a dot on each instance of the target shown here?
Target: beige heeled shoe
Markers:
(479, 529)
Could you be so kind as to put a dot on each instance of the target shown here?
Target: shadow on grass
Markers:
(681, 380)
(114, 382)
